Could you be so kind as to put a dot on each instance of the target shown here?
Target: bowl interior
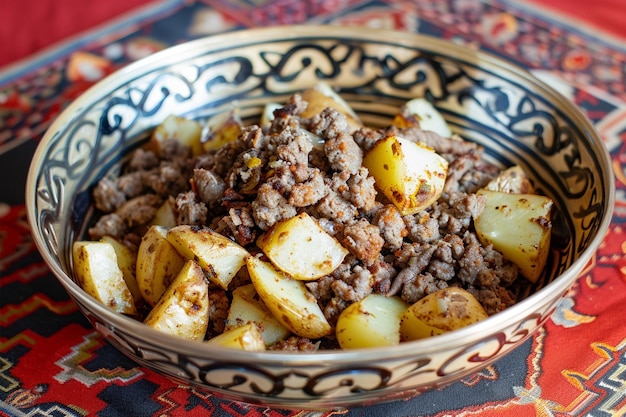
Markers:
(515, 117)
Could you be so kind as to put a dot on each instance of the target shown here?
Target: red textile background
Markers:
(28, 26)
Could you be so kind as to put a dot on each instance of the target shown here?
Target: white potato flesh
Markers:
(440, 312)
(158, 263)
(247, 307)
(186, 131)
(247, 337)
(411, 175)
(428, 117)
(165, 215)
(518, 226)
(99, 275)
(301, 248)
(288, 299)
(127, 261)
(267, 117)
(220, 257)
(373, 321)
(322, 96)
(512, 180)
(221, 129)
(183, 310)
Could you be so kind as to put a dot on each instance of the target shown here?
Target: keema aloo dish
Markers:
(311, 231)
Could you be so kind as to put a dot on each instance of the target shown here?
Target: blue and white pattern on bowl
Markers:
(515, 117)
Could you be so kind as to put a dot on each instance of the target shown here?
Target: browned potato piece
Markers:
(247, 337)
(98, 273)
(127, 261)
(322, 96)
(220, 130)
(219, 256)
(165, 215)
(247, 307)
(301, 248)
(411, 175)
(420, 112)
(158, 263)
(371, 322)
(512, 180)
(186, 131)
(519, 226)
(183, 310)
(288, 299)
(439, 312)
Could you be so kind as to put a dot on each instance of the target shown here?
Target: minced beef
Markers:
(314, 165)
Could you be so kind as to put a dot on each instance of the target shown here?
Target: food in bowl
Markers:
(309, 229)
(515, 118)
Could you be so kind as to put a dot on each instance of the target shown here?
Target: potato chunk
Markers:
(301, 248)
(411, 175)
(219, 256)
(158, 263)
(288, 299)
(519, 226)
(98, 273)
(185, 131)
(247, 307)
(183, 310)
(439, 312)
(512, 180)
(247, 337)
(127, 261)
(371, 322)
(322, 96)
(420, 112)
(221, 129)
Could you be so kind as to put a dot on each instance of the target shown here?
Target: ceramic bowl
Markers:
(514, 116)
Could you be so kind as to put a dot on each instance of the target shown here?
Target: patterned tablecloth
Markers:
(53, 363)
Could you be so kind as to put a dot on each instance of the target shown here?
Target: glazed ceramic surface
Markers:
(515, 117)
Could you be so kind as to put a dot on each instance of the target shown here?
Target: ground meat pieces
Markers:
(219, 304)
(480, 266)
(208, 186)
(313, 165)
(366, 137)
(363, 240)
(334, 207)
(139, 210)
(493, 300)
(174, 151)
(457, 169)
(293, 146)
(456, 214)
(362, 190)
(329, 124)
(295, 344)
(107, 196)
(142, 160)
(422, 227)
(333, 309)
(108, 225)
(131, 184)
(442, 145)
(167, 179)
(189, 210)
(353, 286)
(419, 286)
(309, 192)
(391, 226)
(270, 206)
(343, 153)
(241, 224)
